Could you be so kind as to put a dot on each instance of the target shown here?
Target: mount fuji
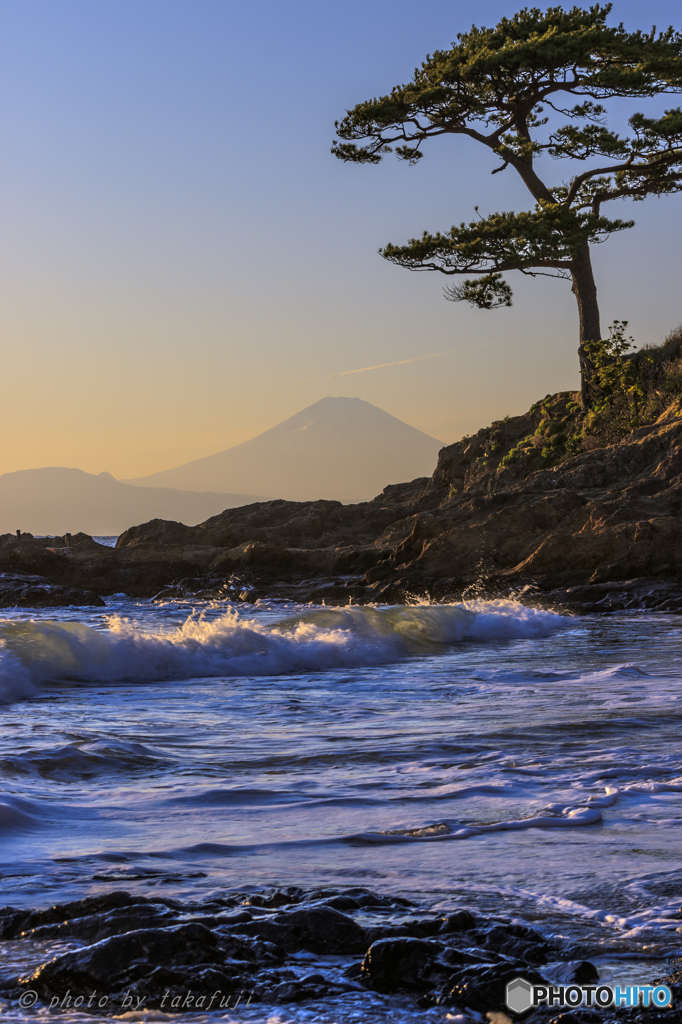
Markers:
(340, 448)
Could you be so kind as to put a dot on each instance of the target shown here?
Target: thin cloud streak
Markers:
(397, 362)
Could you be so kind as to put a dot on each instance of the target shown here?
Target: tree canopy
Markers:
(507, 87)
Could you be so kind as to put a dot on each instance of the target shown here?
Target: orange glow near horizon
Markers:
(169, 288)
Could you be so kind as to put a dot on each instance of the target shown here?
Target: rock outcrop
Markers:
(131, 954)
(23, 591)
(602, 529)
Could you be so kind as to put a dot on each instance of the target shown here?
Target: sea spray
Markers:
(235, 644)
(473, 768)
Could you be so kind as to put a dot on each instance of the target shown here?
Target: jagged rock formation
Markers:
(139, 953)
(601, 529)
(23, 591)
(160, 953)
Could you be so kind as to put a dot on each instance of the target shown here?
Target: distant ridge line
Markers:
(341, 448)
(55, 500)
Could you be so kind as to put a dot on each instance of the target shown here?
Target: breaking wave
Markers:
(41, 651)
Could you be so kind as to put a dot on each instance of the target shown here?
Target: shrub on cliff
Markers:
(631, 389)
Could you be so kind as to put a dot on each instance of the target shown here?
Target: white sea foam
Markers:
(34, 652)
(569, 818)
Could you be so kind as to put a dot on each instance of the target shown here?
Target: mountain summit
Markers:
(341, 448)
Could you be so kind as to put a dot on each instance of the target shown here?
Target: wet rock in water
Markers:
(276, 897)
(238, 949)
(399, 964)
(480, 988)
(11, 919)
(459, 921)
(428, 927)
(296, 992)
(20, 591)
(342, 903)
(375, 901)
(170, 988)
(234, 917)
(14, 922)
(317, 929)
(573, 972)
(113, 962)
(94, 927)
(517, 942)
(421, 928)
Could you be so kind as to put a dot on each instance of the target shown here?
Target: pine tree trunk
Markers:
(585, 291)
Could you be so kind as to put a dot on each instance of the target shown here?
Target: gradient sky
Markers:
(183, 264)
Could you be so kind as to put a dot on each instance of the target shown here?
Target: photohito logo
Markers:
(522, 996)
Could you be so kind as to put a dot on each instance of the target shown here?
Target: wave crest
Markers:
(236, 645)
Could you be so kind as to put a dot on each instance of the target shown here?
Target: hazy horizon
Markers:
(184, 264)
(55, 500)
(342, 449)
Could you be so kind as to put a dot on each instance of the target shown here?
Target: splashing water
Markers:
(37, 652)
(480, 754)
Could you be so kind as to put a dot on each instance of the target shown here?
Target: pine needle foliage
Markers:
(537, 83)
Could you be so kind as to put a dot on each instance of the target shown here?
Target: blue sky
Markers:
(183, 263)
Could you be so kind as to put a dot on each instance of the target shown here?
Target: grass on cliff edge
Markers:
(631, 389)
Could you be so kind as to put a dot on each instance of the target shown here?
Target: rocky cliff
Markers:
(599, 529)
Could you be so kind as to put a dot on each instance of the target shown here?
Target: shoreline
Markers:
(286, 945)
(597, 531)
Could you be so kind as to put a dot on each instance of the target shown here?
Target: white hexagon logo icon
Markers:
(519, 995)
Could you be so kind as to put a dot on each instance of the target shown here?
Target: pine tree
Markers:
(501, 86)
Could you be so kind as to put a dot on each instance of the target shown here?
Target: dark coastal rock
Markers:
(171, 987)
(94, 927)
(480, 988)
(402, 964)
(599, 531)
(317, 929)
(24, 591)
(459, 921)
(630, 595)
(354, 899)
(517, 942)
(276, 897)
(15, 923)
(88, 566)
(428, 927)
(219, 949)
(573, 972)
(442, 975)
(113, 962)
(421, 928)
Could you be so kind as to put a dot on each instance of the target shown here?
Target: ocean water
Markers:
(486, 754)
